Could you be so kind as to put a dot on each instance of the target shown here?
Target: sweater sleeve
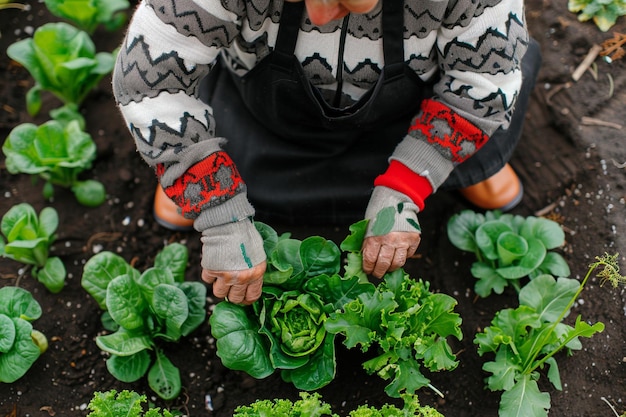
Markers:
(479, 49)
(167, 51)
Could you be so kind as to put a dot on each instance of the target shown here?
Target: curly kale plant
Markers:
(28, 240)
(507, 248)
(141, 309)
(58, 153)
(20, 344)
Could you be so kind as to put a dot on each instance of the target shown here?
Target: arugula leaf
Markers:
(527, 337)
(524, 400)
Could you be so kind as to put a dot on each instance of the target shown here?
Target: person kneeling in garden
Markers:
(322, 111)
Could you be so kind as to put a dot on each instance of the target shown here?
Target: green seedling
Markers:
(28, 241)
(58, 154)
(507, 248)
(87, 15)
(20, 344)
(62, 60)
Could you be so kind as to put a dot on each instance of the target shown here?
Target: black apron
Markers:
(303, 160)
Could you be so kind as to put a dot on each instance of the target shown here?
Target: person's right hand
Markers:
(239, 287)
(233, 261)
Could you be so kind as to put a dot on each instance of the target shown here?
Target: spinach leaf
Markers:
(142, 310)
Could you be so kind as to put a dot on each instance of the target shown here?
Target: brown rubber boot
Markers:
(167, 213)
(502, 191)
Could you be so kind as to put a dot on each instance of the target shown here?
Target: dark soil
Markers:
(573, 172)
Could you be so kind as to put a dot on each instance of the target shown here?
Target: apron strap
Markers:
(393, 38)
(287, 36)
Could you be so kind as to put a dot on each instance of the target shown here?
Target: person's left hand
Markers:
(393, 232)
(386, 253)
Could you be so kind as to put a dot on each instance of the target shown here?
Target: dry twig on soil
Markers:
(614, 47)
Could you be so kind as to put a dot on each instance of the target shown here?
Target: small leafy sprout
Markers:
(124, 404)
(507, 248)
(311, 405)
(610, 270)
(142, 309)
(7, 4)
(28, 240)
(58, 153)
(525, 339)
(63, 60)
(20, 344)
(603, 12)
(89, 14)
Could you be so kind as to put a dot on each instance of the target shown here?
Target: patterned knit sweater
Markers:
(475, 47)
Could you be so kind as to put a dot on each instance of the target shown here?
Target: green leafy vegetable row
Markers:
(306, 302)
(62, 59)
(524, 340)
(130, 404)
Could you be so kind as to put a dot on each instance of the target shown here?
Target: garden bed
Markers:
(571, 159)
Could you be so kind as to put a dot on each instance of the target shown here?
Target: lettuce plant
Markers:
(62, 60)
(284, 330)
(407, 325)
(604, 13)
(28, 240)
(20, 344)
(311, 405)
(123, 404)
(58, 153)
(507, 248)
(143, 309)
(305, 303)
(524, 340)
(89, 14)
